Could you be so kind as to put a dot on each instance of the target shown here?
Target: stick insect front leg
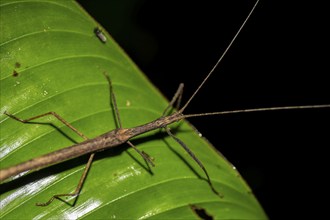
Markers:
(177, 99)
(87, 167)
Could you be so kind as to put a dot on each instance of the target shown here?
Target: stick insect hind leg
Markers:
(86, 169)
(90, 160)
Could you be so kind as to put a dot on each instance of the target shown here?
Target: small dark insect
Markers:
(15, 73)
(100, 35)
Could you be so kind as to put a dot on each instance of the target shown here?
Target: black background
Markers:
(280, 58)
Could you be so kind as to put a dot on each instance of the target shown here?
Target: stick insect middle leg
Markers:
(143, 154)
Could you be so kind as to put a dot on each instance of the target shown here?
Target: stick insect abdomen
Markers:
(88, 146)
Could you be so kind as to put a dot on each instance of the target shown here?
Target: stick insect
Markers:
(122, 135)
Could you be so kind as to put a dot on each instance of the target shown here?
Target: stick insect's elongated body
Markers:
(122, 135)
(108, 140)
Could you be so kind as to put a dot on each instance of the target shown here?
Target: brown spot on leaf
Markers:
(15, 73)
(17, 65)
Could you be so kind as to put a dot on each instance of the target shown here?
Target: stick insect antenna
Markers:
(220, 59)
(177, 97)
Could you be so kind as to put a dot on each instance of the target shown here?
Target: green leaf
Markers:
(51, 60)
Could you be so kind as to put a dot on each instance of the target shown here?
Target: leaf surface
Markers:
(51, 60)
